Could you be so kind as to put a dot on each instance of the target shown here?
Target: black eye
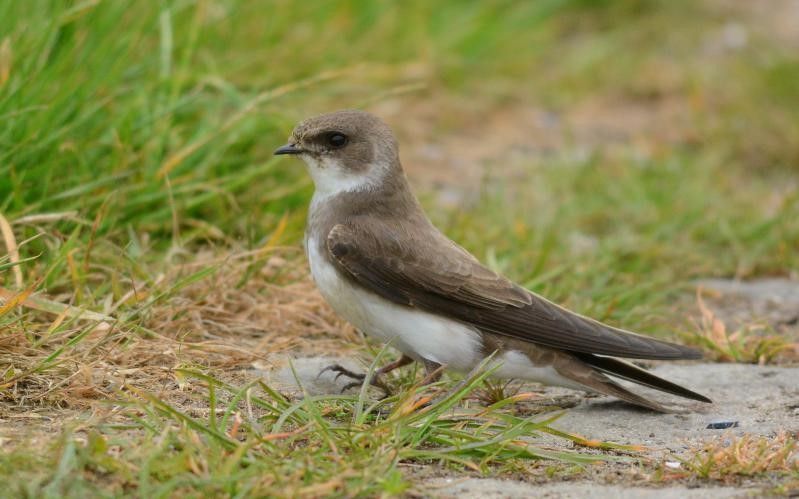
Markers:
(337, 140)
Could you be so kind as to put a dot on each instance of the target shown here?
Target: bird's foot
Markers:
(341, 371)
(360, 377)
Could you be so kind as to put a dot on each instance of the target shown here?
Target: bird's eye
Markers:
(337, 140)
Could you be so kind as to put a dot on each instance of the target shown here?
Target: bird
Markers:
(382, 265)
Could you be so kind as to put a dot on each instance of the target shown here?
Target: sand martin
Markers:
(383, 266)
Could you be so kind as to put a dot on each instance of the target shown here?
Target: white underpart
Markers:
(516, 365)
(418, 334)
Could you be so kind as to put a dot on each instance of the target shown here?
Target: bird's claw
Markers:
(354, 384)
(343, 371)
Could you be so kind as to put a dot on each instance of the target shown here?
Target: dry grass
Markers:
(269, 304)
(752, 343)
(730, 459)
(248, 307)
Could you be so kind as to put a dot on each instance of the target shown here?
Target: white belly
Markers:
(516, 365)
(417, 334)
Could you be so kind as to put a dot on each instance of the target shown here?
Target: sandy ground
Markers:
(490, 488)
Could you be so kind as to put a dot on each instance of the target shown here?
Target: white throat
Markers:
(331, 178)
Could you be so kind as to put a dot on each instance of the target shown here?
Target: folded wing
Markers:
(434, 274)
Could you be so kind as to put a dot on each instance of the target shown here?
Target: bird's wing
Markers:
(434, 274)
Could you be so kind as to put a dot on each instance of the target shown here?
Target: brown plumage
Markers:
(367, 225)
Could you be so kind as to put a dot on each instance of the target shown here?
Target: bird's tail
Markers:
(591, 371)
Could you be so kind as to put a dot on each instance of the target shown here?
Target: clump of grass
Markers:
(494, 391)
(729, 459)
(748, 344)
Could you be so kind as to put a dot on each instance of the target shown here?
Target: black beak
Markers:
(287, 149)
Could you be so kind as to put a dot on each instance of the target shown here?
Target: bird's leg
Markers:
(433, 371)
(402, 361)
(375, 381)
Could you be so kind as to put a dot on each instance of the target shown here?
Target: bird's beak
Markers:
(288, 149)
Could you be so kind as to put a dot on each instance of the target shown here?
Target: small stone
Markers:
(721, 425)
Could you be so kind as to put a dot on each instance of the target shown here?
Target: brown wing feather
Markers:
(434, 274)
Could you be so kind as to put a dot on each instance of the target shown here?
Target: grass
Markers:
(251, 440)
(750, 344)
(730, 459)
(152, 241)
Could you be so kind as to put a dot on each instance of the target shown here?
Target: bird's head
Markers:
(345, 150)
